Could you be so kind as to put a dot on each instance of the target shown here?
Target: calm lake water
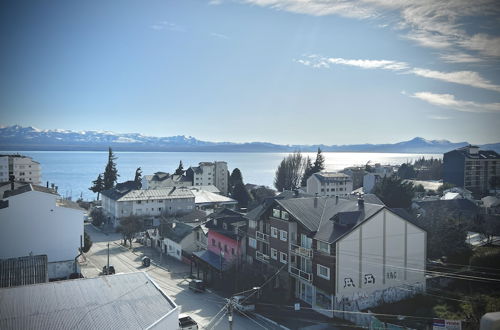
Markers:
(73, 171)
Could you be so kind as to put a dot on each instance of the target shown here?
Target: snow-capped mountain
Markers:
(29, 138)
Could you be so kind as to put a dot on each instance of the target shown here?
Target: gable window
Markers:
(274, 232)
(276, 213)
(284, 215)
(252, 242)
(283, 235)
(283, 258)
(323, 247)
(323, 272)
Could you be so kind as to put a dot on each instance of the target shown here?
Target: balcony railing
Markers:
(300, 274)
(301, 251)
(260, 236)
(261, 256)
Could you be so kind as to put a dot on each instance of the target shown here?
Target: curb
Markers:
(271, 321)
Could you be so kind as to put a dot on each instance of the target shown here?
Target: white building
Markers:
(208, 173)
(124, 200)
(23, 169)
(370, 180)
(34, 220)
(209, 201)
(121, 301)
(329, 184)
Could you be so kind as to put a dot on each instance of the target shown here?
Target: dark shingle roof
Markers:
(461, 204)
(368, 198)
(121, 189)
(29, 187)
(177, 231)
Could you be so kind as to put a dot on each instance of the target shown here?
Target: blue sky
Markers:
(282, 71)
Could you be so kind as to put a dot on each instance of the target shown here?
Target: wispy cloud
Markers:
(449, 101)
(435, 24)
(460, 58)
(438, 117)
(468, 78)
(219, 35)
(166, 25)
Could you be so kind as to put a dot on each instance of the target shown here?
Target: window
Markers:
(213, 242)
(276, 213)
(160, 201)
(323, 247)
(274, 232)
(252, 242)
(274, 254)
(225, 248)
(232, 251)
(283, 258)
(284, 215)
(159, 209)
(139, 202)
(323, 272)
(283, 235)
(252, 224)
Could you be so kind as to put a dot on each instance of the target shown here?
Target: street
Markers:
(205, 308)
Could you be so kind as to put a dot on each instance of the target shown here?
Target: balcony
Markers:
(261, 256)
(300, 274)
(260, 236)
(300, 251)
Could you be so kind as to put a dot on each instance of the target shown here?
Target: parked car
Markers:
(187, 323)
(146, 261)
(197, 285)
(111, 270)
(243, 303)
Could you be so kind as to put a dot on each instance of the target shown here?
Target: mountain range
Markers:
(29, 138)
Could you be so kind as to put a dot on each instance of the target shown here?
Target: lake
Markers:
(73, 171)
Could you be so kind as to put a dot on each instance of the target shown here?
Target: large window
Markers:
(276, 213)
(252, 242)
(323, 272)
(283, 235)
(323, 247)
(274, 232)
(284, 215)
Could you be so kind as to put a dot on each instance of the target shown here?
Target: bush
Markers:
(97, 217)
(87, 242)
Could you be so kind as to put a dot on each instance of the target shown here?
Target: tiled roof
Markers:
(121, 301)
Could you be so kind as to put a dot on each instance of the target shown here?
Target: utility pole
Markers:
(230, 313)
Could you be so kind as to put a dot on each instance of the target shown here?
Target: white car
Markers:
(243, 303)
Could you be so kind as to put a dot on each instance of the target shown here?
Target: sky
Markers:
(281, 71)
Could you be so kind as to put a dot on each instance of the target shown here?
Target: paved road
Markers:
(205, 308)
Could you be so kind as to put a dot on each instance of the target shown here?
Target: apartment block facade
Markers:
(23, 168)
(471, 168)
(208, 173)
(332, 250)
(329, 184)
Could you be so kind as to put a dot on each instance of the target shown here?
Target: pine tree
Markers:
(319, 163)
(97, 185)
(180, 169)
(110, 173)
(241, 194)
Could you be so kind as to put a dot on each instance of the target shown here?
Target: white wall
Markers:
(173, 249)
(377, 256)
(4, 169)
(34, 224)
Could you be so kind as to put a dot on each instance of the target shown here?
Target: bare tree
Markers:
(290, 172)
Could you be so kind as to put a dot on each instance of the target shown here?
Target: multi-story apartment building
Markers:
(126, 199)
(471, 168)
(208, 173)
(23, 168)
(329, 184)
(336, 253)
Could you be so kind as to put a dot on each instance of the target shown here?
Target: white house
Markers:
(329, 184)
(121, 301)
(209, 201)
(23, 168)
(208, 173)
(124, 200)
(34, 220)
(179, 237)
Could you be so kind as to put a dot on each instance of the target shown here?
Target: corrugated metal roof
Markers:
(23, 271)
(122, 301)
(169, 193)
(203, 197)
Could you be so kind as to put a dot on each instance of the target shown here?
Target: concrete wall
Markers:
(62, 269)
(25, 169)
(34, 224)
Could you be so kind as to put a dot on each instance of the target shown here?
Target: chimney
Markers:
(361, 203)
(336, 200)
